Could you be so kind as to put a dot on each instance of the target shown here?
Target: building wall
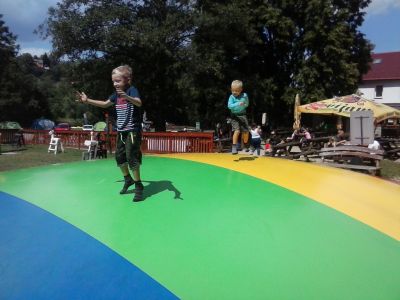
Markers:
(390, 94)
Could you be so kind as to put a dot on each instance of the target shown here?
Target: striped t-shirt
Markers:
(129, 116)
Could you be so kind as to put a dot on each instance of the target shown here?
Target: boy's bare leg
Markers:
(124, 170)
(136, 175)
(245, 139)
(235, 139)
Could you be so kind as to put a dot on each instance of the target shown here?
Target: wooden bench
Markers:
(314, 143)
(352, 157)
(310, 147)
(284, 148)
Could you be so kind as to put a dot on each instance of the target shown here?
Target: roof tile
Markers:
(385, 66)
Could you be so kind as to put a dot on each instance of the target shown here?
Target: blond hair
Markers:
(237, 83)
(124, 70)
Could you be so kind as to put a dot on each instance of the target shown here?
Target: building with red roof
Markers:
(382, 82)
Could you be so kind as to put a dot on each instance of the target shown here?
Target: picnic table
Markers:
(307, 147)
(284, 148)
(391, 147)
(352, 157)
(311, 147)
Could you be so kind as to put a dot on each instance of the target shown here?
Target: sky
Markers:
(22, 17)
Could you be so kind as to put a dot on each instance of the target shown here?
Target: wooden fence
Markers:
(152, 142)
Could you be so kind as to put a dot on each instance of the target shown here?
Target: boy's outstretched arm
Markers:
(134, 100)
(81, 97)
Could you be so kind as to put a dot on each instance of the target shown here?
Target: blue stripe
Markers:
(44, 257)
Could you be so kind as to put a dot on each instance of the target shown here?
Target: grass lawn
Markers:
(33, 156)
(37, 155)
(391, 170)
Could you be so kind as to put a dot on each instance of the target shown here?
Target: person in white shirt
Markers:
(256, 138)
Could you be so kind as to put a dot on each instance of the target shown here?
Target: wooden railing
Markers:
(7, 135)
(177, 142)
(152, 142)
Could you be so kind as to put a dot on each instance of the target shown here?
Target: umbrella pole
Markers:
(297, 114)
(339, 123)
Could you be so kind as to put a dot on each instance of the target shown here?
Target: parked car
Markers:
(62, 127)
(87, 127)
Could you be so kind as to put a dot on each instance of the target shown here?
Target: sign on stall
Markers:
(361, 127)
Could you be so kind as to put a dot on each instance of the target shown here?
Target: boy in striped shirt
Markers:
(128, 105)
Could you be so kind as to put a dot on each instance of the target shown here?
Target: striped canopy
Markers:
(342, 106)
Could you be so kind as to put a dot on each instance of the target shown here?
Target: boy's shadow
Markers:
(155, 187)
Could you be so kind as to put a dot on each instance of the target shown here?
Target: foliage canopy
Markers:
(186, 53)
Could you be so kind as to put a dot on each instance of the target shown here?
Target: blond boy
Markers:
(127, 102)
(237, 103)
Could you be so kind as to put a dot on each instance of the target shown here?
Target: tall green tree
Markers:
(21, 99)
(186, 53)
(8, 46)
(282, 47)
(148, 35)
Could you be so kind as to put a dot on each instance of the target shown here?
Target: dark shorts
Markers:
(239, 123)
(256, 143)
(128, 149)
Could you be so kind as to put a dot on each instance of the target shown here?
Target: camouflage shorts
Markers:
(128, 149)
(239, 123)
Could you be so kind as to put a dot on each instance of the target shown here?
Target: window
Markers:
(378, 91)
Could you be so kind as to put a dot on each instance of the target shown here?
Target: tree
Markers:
(20, 98)
(280, 48)
(186, 53)
(8, 46)
(148, 35)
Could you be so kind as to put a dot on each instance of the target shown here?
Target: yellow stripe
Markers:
(371, 200)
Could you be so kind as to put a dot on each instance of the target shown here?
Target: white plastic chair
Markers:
(91, 152)
(55, 144)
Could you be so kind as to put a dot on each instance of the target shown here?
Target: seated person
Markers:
(295, 136)
(306, 134)
(338, 139)
(273, 140)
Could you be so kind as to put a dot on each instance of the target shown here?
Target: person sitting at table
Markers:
(273, 140)
(295, 136)
(305, 133)
(305, 137)
(338, 139)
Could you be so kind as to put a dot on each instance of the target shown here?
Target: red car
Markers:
(62, 127)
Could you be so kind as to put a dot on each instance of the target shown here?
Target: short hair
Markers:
(123, 70)
(237, 83)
